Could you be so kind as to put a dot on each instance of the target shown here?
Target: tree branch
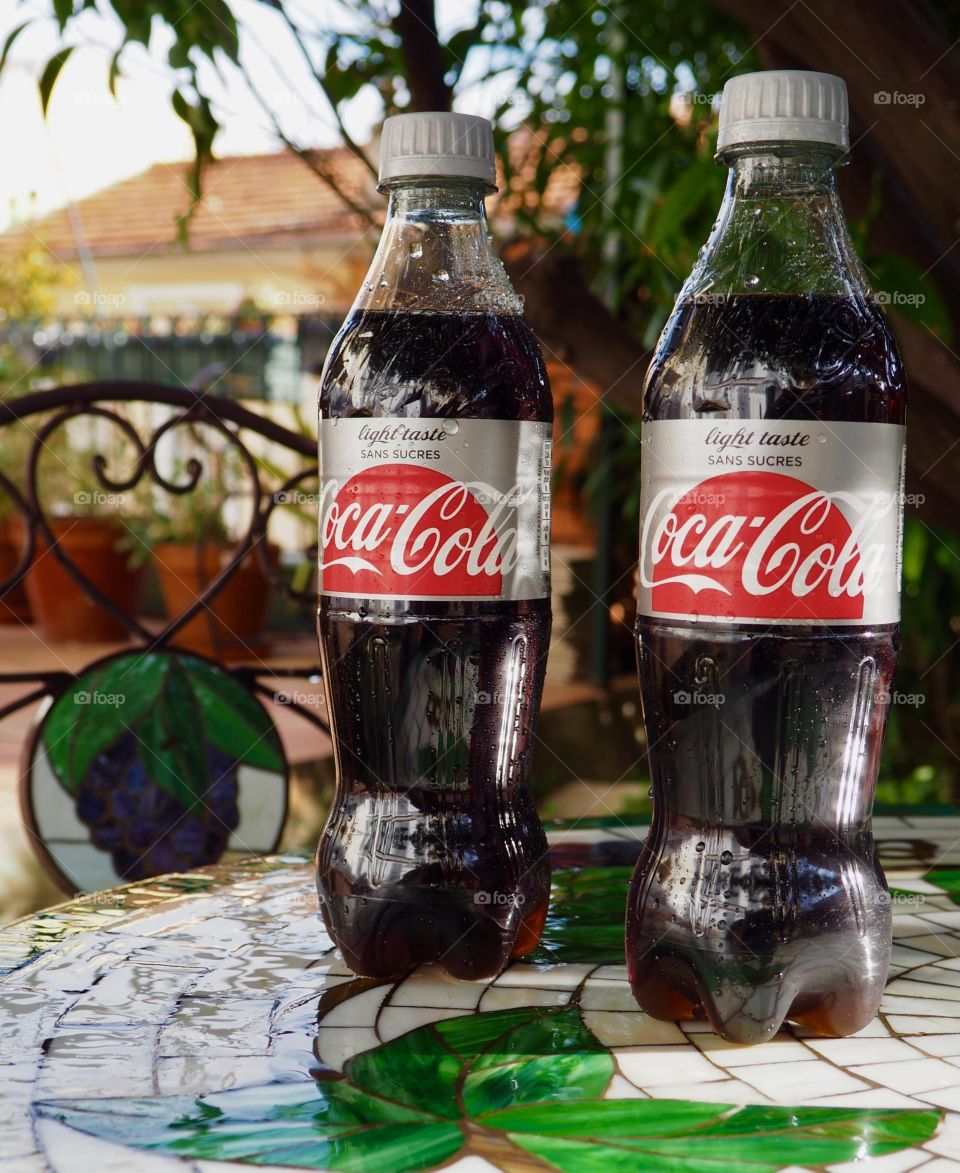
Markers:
(425, 66)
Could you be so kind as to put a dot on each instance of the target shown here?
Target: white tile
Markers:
(940, 1165)
(906, 925)
(335, 1045)
(507, 997)
(949, 920)
(360, 1010)
(791, 1083)
(723, 1091)
(912, 987)
(431, 986)
(893, 1004)
(395, 1021)
(940, 943)
(909, 1024)
(610, 973)
(916, 1075)
(603, 994)
(651, 1067)
(875, 1097)
(33, 1163)
(910, 956)
(550, 977)
(622, 1089)
(782, 1049)
(613, 1028)
(936, 1044)
(947, 1097)
(846, 1052)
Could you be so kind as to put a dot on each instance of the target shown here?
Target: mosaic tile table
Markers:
(204, 1022)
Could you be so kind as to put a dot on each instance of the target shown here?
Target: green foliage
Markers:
(530, 1078)
(175, 705)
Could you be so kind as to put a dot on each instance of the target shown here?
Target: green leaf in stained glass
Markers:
(235, 721)
(666, 1134)
(100, 707)
(553, 1058)
(530, 1077)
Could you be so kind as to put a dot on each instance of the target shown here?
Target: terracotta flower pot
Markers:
(231, 623)
(14, 607)
(61, 608)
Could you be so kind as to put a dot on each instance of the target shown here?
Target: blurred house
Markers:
(249, 303)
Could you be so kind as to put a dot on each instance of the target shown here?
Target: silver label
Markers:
(774, 522)
(434, 508)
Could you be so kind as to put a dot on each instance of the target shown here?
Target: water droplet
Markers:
(416, 250)
(383, 283)
(821, 438)
(756, 212)
(451, 426)
(726, 857)
(650, 792)
(442, 276)
(701, 846)
(752, 281)
(655, 903)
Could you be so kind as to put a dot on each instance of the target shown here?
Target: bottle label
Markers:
(435, 508)
(773, 522)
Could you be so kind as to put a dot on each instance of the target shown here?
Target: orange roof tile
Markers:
(254, 199)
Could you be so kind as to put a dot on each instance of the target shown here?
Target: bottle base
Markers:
(390, 938)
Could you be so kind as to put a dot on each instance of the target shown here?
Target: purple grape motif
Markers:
(149, 745)
(145, 829)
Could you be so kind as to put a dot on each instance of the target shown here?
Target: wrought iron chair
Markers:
(154, 758)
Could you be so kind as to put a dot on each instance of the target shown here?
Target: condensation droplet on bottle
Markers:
(650, 792)
(701, 846)
(726, 856)
(442, 276)
(752, 281)
(416, 250)
(655, 903)
(451, 426)
(821, 438)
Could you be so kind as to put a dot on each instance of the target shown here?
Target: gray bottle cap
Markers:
(784, 105)
(437, 146)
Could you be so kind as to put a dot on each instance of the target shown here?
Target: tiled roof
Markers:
(254, 199)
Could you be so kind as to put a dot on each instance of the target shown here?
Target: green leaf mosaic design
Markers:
(523, 1085)
(585, 921)
(175, 704)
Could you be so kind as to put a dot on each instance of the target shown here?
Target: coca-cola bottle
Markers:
(434, 608)
(768, 599)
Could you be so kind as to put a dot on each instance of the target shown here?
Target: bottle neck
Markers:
(781, 228)
(437, 254)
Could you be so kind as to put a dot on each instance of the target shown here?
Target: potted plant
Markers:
(192, 543)
(99, 534)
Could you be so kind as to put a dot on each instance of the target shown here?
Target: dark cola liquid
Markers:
(433, 851)
(759, 895)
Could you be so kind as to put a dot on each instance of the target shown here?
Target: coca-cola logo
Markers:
(760, 545)
(407, 531)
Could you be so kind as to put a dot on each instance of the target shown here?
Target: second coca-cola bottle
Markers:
(769, 595)
(434, 612)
